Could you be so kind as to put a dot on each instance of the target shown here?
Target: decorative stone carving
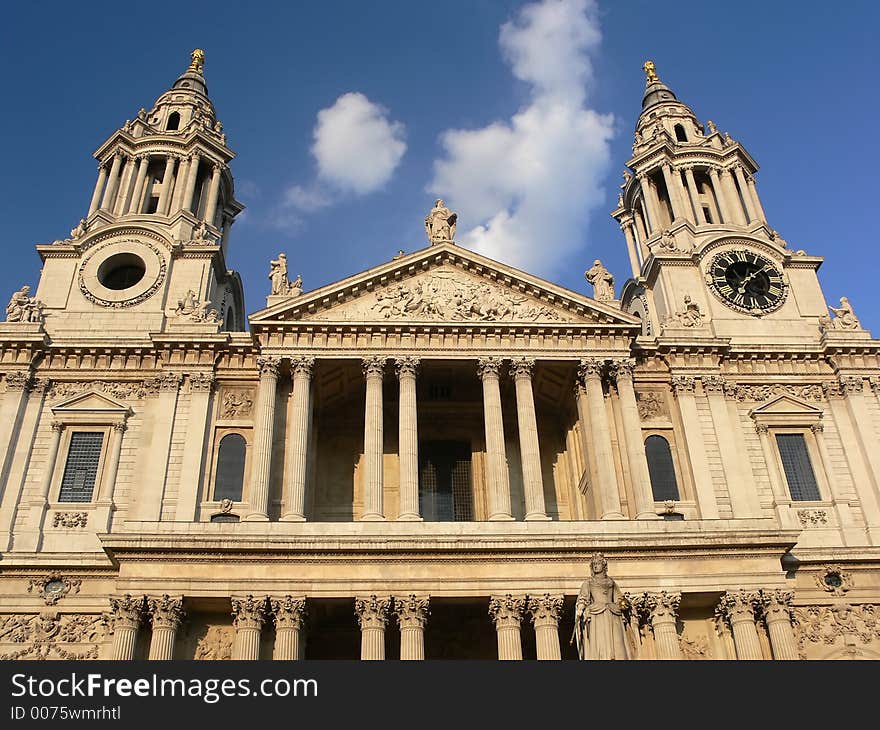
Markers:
(844, 317)
(602, 281)
(53, 587)
(488, 366)
(545, 609)
(165, 382)
(122, 390)
(18, 381)
(440, 223)
(507, 610)
(852, 384)
(766, 392)
(695, 648)
(591, 367)
(622, 369)
(70, 519)
(201, 382)
(303, 366)
(226, 506)
(690, 317)
(269, 366)
(835, 579)
(194, 310)
(661, 605)
(829, 624)
(372, 612)
(79, 230)
(24, 308)
(683, 384)
(812, 517)
(374, 366)
(599, 628)
(407, 366)
(237, 403)
(201, 236)
(215, 645)
(296, 288)
(776, 604)
(278, 276)
(128, 611)
(95, 250)
(666, 243)
(412, 611)
(289, 612)
(44, 635)
(713, 383)
(522, 367)
(651, 405)
(166, 612)
(248, 612)
(738, 604)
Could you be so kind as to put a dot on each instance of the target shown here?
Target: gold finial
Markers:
(650, 72)
(198, 60)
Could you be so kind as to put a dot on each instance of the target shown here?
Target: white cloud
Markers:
(357, 147)
(307, 198)
(530, 183)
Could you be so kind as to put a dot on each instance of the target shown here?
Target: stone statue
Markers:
(398, 255)
(844, 316)
(440, 223)
(711, 125)
(23, 308)
(690, 316)
(297, 287)
(187, 305)
(650, 72)
(602, 281)
(195, 310)
(278, 275)
(79, 229)
(599, 616)
(201, 234)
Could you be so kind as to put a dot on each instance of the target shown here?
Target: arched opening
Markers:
(680, 134)
(173, 121)
(661, 469)
(229, 479)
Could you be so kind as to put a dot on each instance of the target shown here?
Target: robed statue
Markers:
(599, 620)
(602, 281)
(440, 223)
(278, 275)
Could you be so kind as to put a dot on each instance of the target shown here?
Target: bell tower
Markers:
(704, 258)
(149, 256)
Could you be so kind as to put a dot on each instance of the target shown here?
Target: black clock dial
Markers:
(747, 281)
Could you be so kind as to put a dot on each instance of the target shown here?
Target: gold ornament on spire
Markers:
(198, 60)
(650, 72)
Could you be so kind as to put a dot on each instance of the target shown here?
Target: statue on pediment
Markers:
(602, 281)
(599, 621)
(24, 308)
(80, 229)
(278, 275)
(844, 316)
(440, 223)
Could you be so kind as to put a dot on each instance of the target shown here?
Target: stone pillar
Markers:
(36, 508)
(128, 613)
(496, 454)
(545, 612)
(167, 185)
(200, 386)
(180, 183)
(412, 614)
(121, 205)
(692, 429)
(661, 609)
(99, 188)
(191, 178)
(112, 183)
(738, 609)
(867, 443)
(590, 372)
(408, 439)
(294, 496)
(734, 203)
(373, 440)
(507, 612)
(778, 616)
(721, 197)
(635, 445)
(652, 204)
(529, 448)
(744, 192)
(372, 615)
(248, 616)
(289, 613)
(672, 179)
(213, 195)
(695, 195)
(51, 457)
(841, 502)
(626, 225)
(166, 614)
(756, 199)
(264, 425)
(135, 205)
(13, 405)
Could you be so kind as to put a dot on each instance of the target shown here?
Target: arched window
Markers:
(661, 468)
(680, 134)
(230, 468)
(173, 121)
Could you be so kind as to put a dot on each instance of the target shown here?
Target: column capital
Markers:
(201, 382)
(488, 367)
(19, 380)
(762, 428)
(128, 611)
(591, 367)
(777, 605)
(166, 612)
(303, 366)
(545, 610)
(737, 606)
(507, 610)
(407, 366)
(166, 382)
(522, 367)
(268, 366)
(412, 611)
(289, 611)
(683, 384)
(58, 426)
(374, 366)
(851, 384)
(372, 611)
(661, 606)
(248, 612)
(874, 382)
(622, 368)
(713, 383)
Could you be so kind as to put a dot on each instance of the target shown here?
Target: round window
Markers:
(121, 271)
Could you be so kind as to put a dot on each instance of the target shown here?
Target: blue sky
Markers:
(412, 99)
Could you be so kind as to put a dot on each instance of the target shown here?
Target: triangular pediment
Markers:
(786, 405)
(444, 284)
(90, 401)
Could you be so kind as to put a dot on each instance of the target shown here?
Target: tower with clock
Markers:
(705, 261)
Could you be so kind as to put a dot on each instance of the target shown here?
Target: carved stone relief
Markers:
(237, 403)
(844, 625)
(651, 405)
(53, 587)
(49, 635)
(70, 519)
(215, 644)
(835, 580)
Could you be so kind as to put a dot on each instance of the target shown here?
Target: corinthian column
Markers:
(530, 452)
(166, 613)
(99, 187)
(507, 612)
(248, 616)
(191, 178)
(661, 610)
(127, 613)
(496, 454)
(590, 372)
(167, 183)
(372, 615)
(738, 609)
(545, 612)
(694, 195)
(744, 191)
(294, 492)
(408, 439)
(289, 613)
(412, 613)
(263, 429)
(721, 197)
(112, 183)
(777, 615)
(373, 440)
(213, 195)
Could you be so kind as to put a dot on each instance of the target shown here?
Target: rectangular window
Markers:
(445, 481)
(797, 466)
(81, 468)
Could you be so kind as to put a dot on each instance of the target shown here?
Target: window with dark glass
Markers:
(680, 134)
(661, 468)
(445, 481)
(797, 467)
(230, 468)
(173, 121)
(81, 468)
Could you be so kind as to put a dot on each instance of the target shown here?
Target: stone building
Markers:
(419, 460)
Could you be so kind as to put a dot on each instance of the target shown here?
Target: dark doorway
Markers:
(445, 493)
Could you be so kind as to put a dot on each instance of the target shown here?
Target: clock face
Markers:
(746, 281)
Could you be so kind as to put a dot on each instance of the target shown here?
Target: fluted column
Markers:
(778, 615)
(744, 191)
(507, 613)
(213, 194)
(137, 197)
(635, 446)
(738, 609)
(683, 388)
(661, 609)
(373, 440)
(626, 225)
(128, 613)
(733, 200)
(721, 197)
(120, 207)
(248, 613)
(694, 194)
(191, 178)
(496, 454)
(545, 611)
(756, 199)
(372, 615)
(529, 448)
(180, 183)
(112, 183)
(289, 613)
(652, 204)
(408, 439)
(167, 185)
(294, 492)
(412, 614)
(263, 434)
(673, 185)
(166, 613)
(99, 188)
(590, 372)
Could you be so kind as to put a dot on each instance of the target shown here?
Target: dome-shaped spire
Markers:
(186, 101)
(655, 90)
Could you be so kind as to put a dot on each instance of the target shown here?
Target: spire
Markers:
(655, 90)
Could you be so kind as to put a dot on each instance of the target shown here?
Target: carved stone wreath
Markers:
(143, 296)
(834, 579)
(53, 587)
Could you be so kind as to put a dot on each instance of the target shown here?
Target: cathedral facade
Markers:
(428, 459)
